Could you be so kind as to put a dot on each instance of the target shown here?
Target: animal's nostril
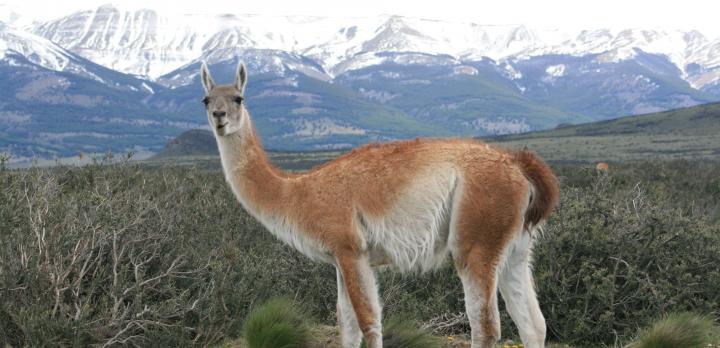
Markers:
(218, 113)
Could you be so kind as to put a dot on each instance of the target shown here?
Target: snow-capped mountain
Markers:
(110, 79)
(20, 48)
(54, 103)
(36, 49)
(137, 42)
(150, 44)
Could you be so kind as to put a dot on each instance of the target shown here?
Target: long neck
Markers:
(257, 184)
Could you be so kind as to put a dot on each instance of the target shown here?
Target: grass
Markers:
(401, 333)
(277, 323)
(679, 330)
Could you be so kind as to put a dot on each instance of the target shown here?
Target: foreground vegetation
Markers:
(278, 324)
(685, 330)
(122, 254)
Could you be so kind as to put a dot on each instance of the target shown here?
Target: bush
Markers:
(686, 330)
(611, 259)
(401, 333)
(131, 255)
(122, 254)
(277, 323)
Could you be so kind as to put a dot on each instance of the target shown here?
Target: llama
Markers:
(602, 167)
(404, 204)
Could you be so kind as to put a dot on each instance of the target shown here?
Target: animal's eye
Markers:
(238, 100)
(206, 101)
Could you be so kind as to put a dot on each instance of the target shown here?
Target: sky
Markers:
(547, 14)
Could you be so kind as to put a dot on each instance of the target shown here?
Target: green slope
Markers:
(688, 133)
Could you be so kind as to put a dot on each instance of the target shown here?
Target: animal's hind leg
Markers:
(350, 334)
(484, 223)
(480, 287)
(516, 287)
(361, 289)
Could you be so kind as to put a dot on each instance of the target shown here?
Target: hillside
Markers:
(198, 147)
(195, 142)
(688, 133)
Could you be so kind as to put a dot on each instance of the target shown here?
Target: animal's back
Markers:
(400, 195)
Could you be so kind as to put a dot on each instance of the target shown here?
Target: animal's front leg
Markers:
(358, 282)
(350, 334)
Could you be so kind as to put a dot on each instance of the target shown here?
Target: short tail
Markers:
(546, 191)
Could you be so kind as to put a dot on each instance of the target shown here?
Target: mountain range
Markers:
(107, 79)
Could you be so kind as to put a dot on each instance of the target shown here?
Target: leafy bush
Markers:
(128, 255)
(277, 323)
(610, 260)
(686, 330)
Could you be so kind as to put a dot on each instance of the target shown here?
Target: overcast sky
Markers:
(562, 14)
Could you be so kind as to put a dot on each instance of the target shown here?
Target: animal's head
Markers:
(225, 104)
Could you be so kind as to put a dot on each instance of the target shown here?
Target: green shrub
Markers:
(610, 259)
(401, 333)
(128, 254)
(277, 323)
(404, 333)
(686, 330)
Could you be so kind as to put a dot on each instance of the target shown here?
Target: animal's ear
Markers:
(241, 78)
(207, 80)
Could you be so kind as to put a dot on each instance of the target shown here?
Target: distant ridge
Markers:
(198, 147)
(687, 133)
(700, 119)
(195, 142)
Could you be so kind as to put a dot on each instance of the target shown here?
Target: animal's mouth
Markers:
(221, 126)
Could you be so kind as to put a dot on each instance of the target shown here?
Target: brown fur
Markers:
(547, 190)
(371, 178)
(352, 279)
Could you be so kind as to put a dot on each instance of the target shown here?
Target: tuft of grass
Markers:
(686, 330)
(278, 323)
(399, 333)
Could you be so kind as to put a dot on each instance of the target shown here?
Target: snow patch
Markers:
(147, 88)
(556, 70)
(381, 96)
(511, 73)
(464, 70)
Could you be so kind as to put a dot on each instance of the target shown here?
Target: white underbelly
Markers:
(293, 236)
(413, 235)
